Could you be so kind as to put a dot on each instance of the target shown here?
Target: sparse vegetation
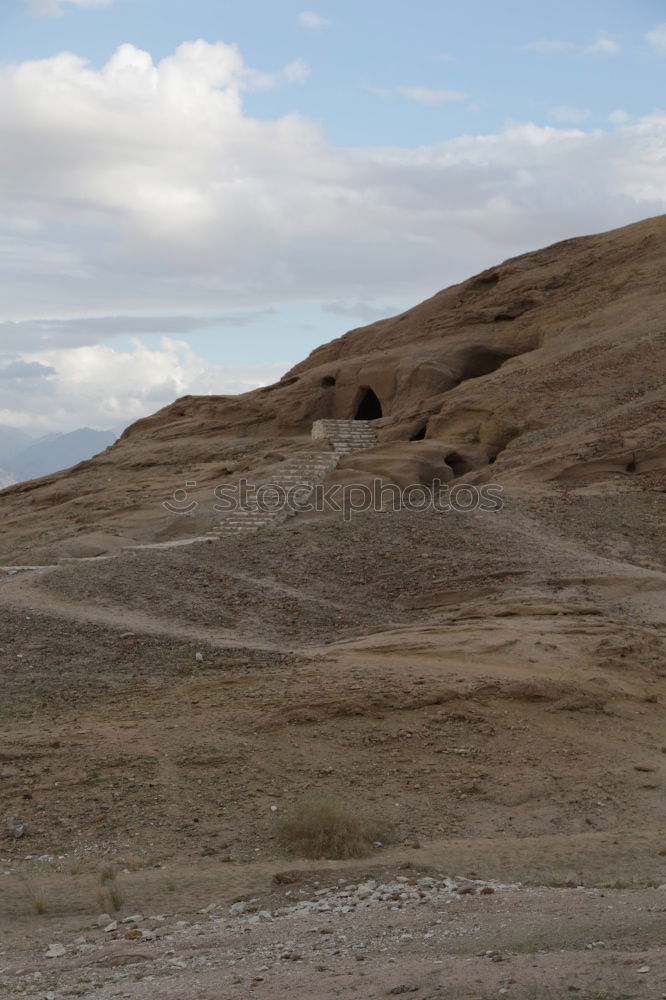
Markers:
(107, 874)
(36, 899)
(110, 897)
(324, 826)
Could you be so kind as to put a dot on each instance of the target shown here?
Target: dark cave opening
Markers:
(368, 406)
(458, 465)
(478, 361)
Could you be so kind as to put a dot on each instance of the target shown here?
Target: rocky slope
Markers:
(546, 369)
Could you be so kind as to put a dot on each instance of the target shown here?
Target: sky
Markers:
(194, 195)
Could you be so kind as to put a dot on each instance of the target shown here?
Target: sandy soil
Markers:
(490, 686)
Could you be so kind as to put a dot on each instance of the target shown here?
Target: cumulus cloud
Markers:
(145, 189)
(104, 387)
(308, 19)
(426, 95)
(26, 369)
(657, 38)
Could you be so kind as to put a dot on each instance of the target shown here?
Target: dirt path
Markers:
(21, 592)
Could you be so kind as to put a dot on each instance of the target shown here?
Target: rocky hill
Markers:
(547, 369)
(488, 685)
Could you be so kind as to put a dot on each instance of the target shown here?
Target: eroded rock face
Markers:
(547, 368)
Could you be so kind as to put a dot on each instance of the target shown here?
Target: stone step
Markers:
(304, 471)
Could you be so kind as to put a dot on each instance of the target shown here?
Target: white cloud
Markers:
(145, 189)
(619, 117)
(568, 115)
(101, 386)
(657, 38)
(308, 19)
(425, 95)
(602, 45)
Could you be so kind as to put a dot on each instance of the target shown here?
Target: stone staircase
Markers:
(345, 435)
(306, 470)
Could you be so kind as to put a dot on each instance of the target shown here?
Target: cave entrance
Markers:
(368, 406)
(478, 361)
(457, 463)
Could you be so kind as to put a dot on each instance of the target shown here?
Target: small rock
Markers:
(56, 951)
(135, 919)
(16, 828)
(398, 990)
(198, 657)
(643, 969)
(113, 926)
(238, 909)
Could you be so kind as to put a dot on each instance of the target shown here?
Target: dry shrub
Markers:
(107, 874)
(36, 899)
(110, 896)
(323, 826)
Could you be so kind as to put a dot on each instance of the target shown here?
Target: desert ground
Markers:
(482, 689)
(489, 685)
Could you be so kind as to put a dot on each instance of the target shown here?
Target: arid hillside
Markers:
(548, 369)
(483, 687)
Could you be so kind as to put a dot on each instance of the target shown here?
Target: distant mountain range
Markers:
(23, 456)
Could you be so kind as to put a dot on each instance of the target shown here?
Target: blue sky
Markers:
(180, 215)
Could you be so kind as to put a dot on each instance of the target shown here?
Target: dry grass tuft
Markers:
(323, 826)
(36, 899)
(110, 896)
(107, 874)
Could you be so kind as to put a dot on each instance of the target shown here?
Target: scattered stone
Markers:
(238, 909)
(16, 828)
(56, 951)
(112, 926)
(643, 969)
